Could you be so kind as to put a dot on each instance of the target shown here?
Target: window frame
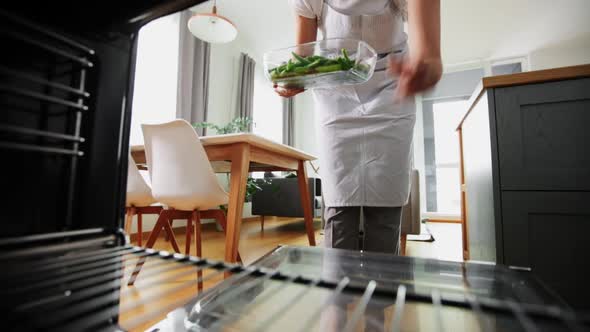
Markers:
(523, 60)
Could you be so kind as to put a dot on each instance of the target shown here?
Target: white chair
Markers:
(182, 179)
(139, 200)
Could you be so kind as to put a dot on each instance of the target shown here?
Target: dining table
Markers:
(242, 153)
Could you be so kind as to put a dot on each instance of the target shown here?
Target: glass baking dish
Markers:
(321, 64)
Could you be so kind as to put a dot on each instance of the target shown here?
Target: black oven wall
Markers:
(64, 127)
(66, 81)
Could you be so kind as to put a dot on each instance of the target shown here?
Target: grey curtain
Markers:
(193, 75)
(288, 122)
(245, 90)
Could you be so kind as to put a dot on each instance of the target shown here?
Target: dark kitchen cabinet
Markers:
(525, 166)
(543, 135)
(547, 232)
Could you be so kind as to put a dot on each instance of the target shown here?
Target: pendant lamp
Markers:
(212, 28)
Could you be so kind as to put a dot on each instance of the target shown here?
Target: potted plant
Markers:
(237, 125)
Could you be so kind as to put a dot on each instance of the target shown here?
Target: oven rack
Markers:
(46, 91)
(78, 282)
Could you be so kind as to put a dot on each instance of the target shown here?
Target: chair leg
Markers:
(162, 219)
(262, 223)
(197, 218)
(129, 220)
(171, 236)
(139, 229)
(166, 237)
(189, 230)
(403, 239)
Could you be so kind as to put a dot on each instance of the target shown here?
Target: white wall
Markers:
(483, 29)
(568, 53)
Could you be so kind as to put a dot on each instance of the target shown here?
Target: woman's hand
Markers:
(423, 68)
(415, 74)
(306, 32)
(287, 92)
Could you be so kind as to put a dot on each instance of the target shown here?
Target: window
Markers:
(442, 109)
(267, 114)
(446, 116)
(156, 73)
(505, 69)
(441, 154)
(268, 111)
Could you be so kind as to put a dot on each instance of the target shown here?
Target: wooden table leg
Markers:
(240, 163)
(218, 215)
(304, 192)
(129, 220)
(402, 242)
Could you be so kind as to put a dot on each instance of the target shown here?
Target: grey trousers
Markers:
(382, 227)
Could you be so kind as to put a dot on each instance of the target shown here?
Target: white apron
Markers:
(365, 138)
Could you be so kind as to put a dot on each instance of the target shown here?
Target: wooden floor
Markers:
(179, 286)
(447, 244)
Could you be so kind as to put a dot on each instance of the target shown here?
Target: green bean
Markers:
(312, 64)
(300, 58)
(345, 55)
(328, 69)
(301, 70)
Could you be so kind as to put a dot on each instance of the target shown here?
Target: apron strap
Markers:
(321, 13)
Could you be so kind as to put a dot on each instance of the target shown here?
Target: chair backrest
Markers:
(139, 192)
(180, 171)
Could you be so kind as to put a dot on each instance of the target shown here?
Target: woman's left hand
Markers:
(415, 74)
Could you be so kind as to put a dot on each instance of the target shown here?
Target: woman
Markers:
(365, 131)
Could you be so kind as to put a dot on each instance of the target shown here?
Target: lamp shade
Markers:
(212, 28)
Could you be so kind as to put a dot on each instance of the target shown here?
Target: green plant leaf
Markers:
(237, 125)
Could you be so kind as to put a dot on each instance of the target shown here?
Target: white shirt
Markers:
(357, 19)
(313, 8)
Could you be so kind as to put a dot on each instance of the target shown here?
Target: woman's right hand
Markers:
(287, 92)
